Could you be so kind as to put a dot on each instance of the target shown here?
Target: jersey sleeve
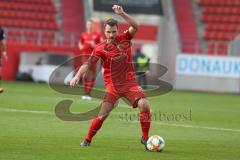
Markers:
(126, 35)
(94, 57)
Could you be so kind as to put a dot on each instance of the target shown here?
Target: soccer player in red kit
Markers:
(88, 41)
(2, 53)
(119, 75)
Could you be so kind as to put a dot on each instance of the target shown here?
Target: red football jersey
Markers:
(117, 63)
(86, 39)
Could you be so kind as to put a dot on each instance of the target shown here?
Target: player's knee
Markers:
(143, 104)
(105, 110)
(103, 117)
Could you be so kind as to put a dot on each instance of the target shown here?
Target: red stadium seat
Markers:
(222, 23)
(207, 35)
(26, 14)
(232, 28)
(211, 48)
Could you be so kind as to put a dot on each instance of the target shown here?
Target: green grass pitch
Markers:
(207, 127)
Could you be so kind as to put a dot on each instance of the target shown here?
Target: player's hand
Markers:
(81, 47)
(118, 9)
(74, 81)
(81, 73)
(5, 55)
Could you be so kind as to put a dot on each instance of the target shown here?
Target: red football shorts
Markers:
(131, 92)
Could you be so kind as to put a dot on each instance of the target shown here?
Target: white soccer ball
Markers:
(155, 143)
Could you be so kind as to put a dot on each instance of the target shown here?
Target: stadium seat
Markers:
(228, 3)
(211, 48)
(222, 23)
(26, 14)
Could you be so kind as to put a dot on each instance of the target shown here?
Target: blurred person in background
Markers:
(39, 61)
(141, 67)
(3, 53)
(88, 41)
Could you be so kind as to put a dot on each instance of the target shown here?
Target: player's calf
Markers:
(145, 118)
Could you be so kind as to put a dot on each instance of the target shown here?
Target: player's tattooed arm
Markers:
(130, 20)
(81, 73)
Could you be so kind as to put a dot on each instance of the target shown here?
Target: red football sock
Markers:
(145, 122)
(94, 127)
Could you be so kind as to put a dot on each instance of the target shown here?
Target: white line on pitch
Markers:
(49, 112)
(190, 126)
(117, 113)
